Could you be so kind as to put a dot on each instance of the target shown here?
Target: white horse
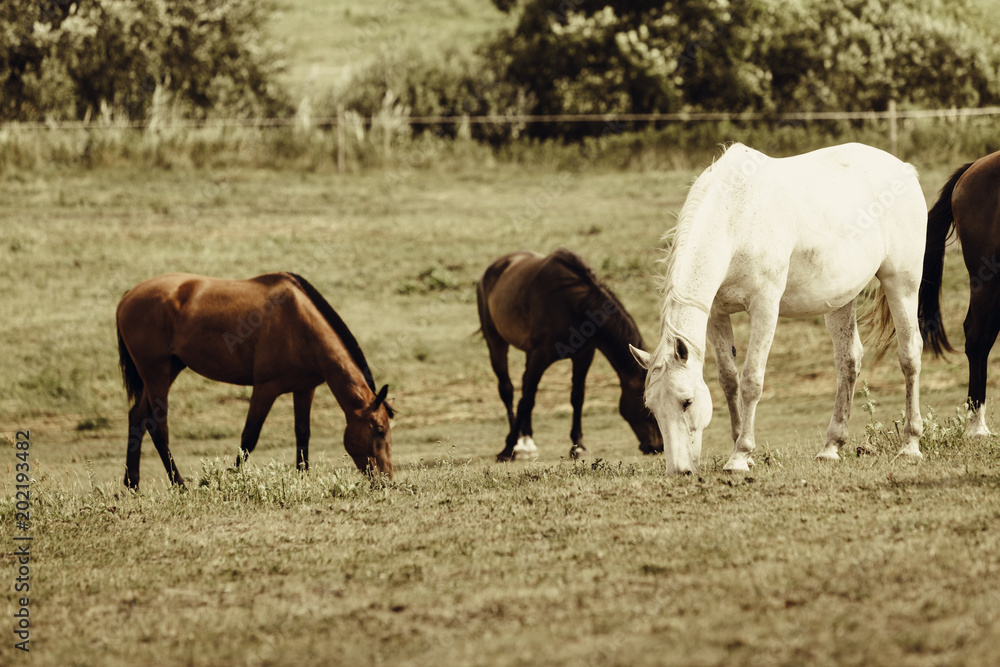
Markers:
(796, 237)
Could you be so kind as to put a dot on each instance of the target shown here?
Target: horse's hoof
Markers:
(525, 449)
(738, 463)
(650, 451)
(578, 452)
(911, 452)
(978, 430)
(505, 456)
(828, 454)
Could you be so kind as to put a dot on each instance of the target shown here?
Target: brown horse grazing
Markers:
(555, 308)
(275, 332)
(970, 201)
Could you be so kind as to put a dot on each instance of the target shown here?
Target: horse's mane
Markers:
(676, 237)
(676, 240)
(621, 328)
(340, 328)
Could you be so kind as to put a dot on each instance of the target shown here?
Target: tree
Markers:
(614, 56)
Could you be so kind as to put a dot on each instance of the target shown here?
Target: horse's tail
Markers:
(130, 374)
(483, 287)
(940, 224)
(883, 330)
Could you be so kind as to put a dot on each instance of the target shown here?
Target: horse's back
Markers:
(823, 224)
(525, 294)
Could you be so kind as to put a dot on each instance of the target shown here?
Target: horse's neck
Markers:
(344, 377)
(695, 277)
(701, 264)
(614, 346)
(685, 319)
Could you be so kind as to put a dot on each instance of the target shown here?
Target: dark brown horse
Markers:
(555, 308)
(970, 201)
(275, 332)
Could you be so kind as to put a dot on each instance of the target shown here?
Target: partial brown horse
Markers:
(555, 308)
(969, 201)
(275, 332)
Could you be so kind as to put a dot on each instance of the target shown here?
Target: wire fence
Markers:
(680, 117)
(341, 122)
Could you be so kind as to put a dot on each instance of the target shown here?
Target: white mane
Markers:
(676, 240)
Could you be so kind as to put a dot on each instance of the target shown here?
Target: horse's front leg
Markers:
(302, 401)
(763, 321)
(261, 401)
(720, 335)
(581, 365)
(847, 352)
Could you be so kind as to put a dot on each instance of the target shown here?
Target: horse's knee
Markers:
(751, 388)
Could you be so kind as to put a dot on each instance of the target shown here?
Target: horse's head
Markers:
(367, 437)
(678, 397)
(633, 410)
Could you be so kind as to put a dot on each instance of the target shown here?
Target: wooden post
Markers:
(893, 130)
(341, 140)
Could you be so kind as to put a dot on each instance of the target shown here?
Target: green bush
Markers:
(62, 60)
(745, 55)
(451, 84)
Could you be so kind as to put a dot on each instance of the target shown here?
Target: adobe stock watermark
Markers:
(579, 337)
(535, 205)
(869, 216)
(372, 31)
(989, 268)
(253, 321)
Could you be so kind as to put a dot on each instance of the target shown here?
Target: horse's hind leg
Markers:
(499, 349)
(156, 422)
(901, 296)
(581, 364)
(534, 368)
(137, 426)
(847, 352)
(981, 326)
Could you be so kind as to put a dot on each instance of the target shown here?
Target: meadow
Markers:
(460, 559)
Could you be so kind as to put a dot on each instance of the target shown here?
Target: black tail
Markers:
(940, 224)
(130, 374)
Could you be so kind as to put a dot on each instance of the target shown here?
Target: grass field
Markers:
(461, 560)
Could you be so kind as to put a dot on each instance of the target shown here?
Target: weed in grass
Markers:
(93, 423)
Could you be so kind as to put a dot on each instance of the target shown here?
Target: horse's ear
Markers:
(681, 350)
(380, 398)
(641, 356)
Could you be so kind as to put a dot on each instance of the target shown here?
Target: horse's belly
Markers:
(219, 368)
(814, 292)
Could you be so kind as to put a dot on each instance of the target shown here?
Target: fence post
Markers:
(341, 139)
(893, 130)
